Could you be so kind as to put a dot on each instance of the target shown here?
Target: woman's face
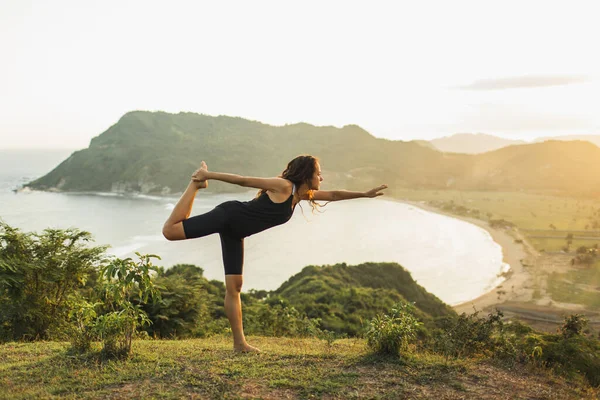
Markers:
(316, 178)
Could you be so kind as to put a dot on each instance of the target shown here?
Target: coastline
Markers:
(518, 279)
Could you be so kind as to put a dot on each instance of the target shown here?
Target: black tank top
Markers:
(245, 218)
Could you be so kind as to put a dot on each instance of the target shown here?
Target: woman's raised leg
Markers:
(173, 228)
(233, 310)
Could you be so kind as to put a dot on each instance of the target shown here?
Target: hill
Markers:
(156, 153)
(595, 139)
(469, 143)
(345, 296)
(287, 368)
(552, 166)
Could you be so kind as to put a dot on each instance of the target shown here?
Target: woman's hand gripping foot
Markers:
(199, 177)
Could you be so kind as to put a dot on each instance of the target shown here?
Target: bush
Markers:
(279, 320)
(38, 272)
(577, 354)
(122, 279)
(184, 308)
(81, 330)
(117, 329)
(469, 334)
(573, 326)
(391, 334)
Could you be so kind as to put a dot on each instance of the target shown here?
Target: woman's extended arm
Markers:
(274, 184)
(336, 195)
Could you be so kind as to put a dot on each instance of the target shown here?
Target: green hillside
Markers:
(96, 326)
(155, 152)
(345, 296)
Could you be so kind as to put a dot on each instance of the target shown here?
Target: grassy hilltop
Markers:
(287, 369)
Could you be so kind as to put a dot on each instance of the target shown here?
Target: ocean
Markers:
(452, 259)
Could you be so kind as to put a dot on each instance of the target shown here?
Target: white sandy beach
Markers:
(518, 281)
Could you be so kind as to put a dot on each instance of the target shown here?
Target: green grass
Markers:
(569, 287)
(205, 368)
(287, 368)
(535, 215)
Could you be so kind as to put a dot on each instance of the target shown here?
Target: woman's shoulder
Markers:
(286, 186)
(281, 192)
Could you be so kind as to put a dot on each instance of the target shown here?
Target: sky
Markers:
(402, 70)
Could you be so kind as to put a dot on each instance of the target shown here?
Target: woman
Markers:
(234, 220)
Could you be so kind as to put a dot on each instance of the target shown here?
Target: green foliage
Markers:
(279, 320)
(38, 273)
(121, 281)
(392, 333)
(186, 304)
(573, 326)
(81, 327)
(572, 355)
(117, 329)
(468, 335)
(345, 297)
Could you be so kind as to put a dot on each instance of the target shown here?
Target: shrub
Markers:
(280, 320)
(573, 325)
(577, 354)
(469, 334)
(185, 305)
(122, 279)
(391, 334)
(81, 330)
(38, 272)
(118, 328)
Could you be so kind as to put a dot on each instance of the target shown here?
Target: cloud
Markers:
(527, 81)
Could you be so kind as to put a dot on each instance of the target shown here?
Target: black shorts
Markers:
(216, 221)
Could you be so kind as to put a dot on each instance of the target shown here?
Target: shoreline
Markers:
(513, 288)
(517, 279)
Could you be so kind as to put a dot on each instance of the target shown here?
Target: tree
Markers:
(38, 272)
(184, 308)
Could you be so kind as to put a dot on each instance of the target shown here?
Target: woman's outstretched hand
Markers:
(199, 177)
(376, 191)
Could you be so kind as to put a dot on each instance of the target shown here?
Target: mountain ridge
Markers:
(155, 153)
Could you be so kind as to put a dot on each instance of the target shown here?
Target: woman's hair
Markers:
(300, 170)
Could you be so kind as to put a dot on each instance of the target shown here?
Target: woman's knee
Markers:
(233, 283)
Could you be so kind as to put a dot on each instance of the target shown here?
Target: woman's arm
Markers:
(274, 184)
(336, 195)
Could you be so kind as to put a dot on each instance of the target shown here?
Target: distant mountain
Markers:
(595, 139)
(552, 166)
(469, 143)
(157, 152)
(425, 143)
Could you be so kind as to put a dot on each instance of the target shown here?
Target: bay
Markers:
(452, 259)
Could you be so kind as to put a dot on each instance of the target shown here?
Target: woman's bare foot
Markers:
(245, 348)
(200, 184)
